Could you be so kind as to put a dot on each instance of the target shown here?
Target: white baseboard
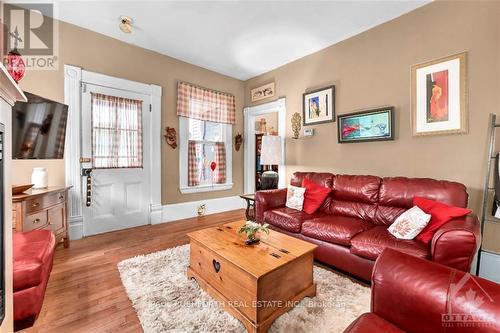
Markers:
(185, 210)
(156, 214)
(75, 227)
(489, 266)
(172, 212)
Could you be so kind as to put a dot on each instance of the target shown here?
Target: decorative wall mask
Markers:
(171, 136)
(238, 140)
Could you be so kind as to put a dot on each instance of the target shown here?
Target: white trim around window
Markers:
(183, 161)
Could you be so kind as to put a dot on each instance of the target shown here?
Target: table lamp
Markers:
(270, 154)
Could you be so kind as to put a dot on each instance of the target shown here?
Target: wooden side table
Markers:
(250, 211)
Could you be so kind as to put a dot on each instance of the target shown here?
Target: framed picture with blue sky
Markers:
(318, 106)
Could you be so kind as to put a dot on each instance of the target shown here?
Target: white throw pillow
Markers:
(295, 197)
(409, 224)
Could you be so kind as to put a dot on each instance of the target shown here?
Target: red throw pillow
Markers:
(314, 196)
(441, 214)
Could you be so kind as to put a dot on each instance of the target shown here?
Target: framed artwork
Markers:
(365, 126)
(262, 92)
(439, 99)
(318, 106)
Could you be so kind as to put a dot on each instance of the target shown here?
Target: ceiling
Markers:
(241, 39)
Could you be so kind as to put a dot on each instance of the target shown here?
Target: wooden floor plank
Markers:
(85, 293)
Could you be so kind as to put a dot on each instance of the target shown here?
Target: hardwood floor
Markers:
(85, 293)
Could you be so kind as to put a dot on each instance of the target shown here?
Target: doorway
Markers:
(125, 171)
(114, 125)
(253, 115)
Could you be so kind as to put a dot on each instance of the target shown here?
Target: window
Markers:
(201, 143)
(116, 132)
(205, 138)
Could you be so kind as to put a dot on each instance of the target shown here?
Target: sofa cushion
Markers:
(335, 229)
(31, 251)
(288, 219)
(314, 196)
(324, 179)
(355, 196)
(371, 323)
(441, 214)
(397, 193)
(370, 244)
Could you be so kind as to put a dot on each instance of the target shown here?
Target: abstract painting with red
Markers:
(437, 96)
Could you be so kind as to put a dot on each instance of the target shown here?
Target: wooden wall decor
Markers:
(238, 140)
(171, 136)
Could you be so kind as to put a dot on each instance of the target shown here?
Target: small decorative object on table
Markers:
(39, 178)
(296, 119)
(251, 229)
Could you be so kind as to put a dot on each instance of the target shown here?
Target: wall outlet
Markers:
(308, 131)
(202, 209)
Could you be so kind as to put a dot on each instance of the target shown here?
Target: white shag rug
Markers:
(166, 301)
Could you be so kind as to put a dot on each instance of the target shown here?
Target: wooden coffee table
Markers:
(258, 283)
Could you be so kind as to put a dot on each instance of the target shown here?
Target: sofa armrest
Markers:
(266, 200)
(409, 292)
(456, 242)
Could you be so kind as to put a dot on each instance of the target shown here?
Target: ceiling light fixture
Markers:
(126, 24)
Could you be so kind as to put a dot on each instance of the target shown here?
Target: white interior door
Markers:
(119, 195)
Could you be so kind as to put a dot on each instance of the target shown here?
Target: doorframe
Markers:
(249, 114)
(74, 78)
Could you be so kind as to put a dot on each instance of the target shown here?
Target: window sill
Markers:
(206, 188)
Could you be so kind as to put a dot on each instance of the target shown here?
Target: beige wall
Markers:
(373, 69)
(98, 53)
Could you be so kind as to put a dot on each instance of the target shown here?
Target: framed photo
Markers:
(439, 99)
(365, 126)
(262, 92)
(318, 106)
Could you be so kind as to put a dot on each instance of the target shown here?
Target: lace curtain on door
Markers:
(116, 132)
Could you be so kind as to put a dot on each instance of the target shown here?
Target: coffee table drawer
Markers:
(238, 287)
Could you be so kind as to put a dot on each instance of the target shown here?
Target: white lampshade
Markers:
(270, 151)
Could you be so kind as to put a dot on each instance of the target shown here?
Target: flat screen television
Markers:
(38, 128)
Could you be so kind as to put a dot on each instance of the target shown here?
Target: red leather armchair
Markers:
(33, 252)
(413, 295)
(350, 228)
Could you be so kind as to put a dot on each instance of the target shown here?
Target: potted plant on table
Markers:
(250, 229)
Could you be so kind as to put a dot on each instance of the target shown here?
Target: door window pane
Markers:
(116, 132)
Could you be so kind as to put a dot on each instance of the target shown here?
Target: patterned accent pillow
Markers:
(295, 197)
(409, 224)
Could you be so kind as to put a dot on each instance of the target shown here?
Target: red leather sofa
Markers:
(33, 252)
(350, 228)
(413, 295)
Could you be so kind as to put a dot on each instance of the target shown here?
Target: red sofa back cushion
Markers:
(397, 193)
(355, 196)
(380, 200)
(324, 179)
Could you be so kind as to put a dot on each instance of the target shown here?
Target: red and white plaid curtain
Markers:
(192, 164)
(116, 132)
(205, 104)
(220, 159)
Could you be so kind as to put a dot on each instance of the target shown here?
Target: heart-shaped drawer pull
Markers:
(216, 265)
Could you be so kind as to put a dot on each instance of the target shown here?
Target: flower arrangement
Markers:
(250, 229)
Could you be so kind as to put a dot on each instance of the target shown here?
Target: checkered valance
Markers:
(205, 104)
